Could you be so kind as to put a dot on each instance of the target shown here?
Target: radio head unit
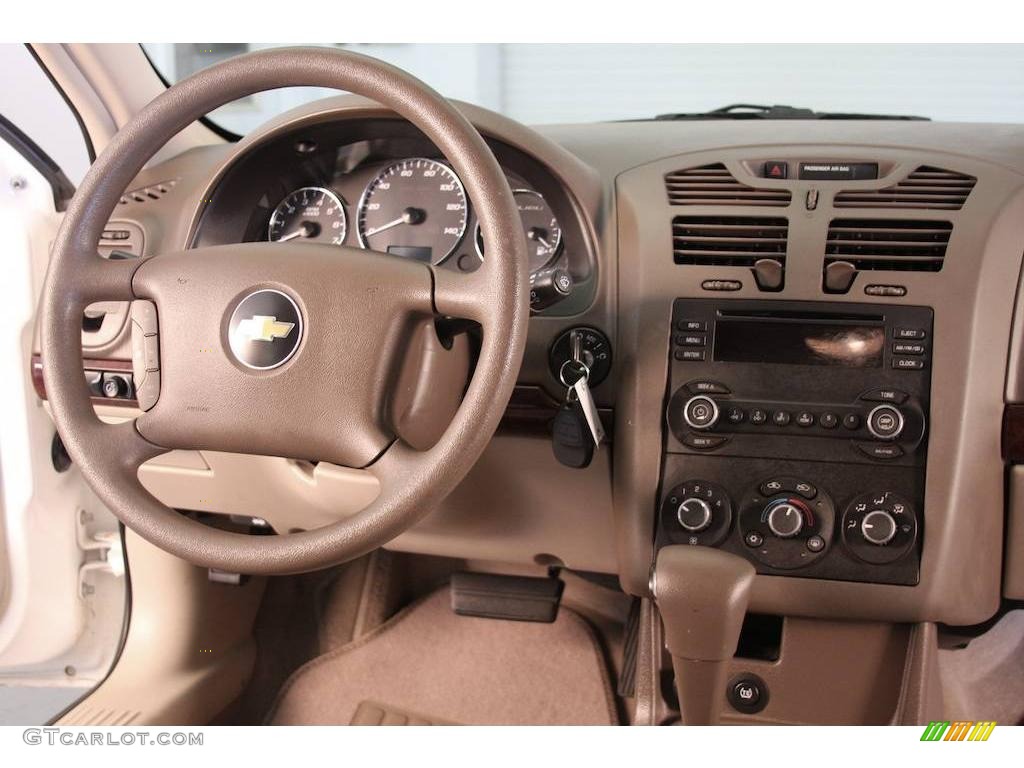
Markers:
(800, 380)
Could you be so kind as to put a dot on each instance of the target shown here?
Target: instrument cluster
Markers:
(415, 207)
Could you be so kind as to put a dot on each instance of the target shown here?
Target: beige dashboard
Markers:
(519, 505)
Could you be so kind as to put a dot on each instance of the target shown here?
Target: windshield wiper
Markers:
(777, 112)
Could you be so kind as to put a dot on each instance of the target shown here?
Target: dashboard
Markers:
(805, 331)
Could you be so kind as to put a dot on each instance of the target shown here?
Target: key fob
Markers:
(572, 441)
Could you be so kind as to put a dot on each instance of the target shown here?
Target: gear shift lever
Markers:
(702, 595)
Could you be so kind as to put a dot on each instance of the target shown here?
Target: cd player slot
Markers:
(797, 315)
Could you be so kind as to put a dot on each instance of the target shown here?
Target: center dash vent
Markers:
(145, 194)
(854, 245)
(757, 242)
(714, 185)
(925, 188)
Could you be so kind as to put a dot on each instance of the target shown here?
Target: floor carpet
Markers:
(429, 665)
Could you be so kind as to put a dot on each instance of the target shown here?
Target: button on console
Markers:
(883, 451)
(691, 325)
(689, 355)
(691, 339)
(700, 412)
(908, 333)
(703, 442)
(908, 348)
(747, 694)
(781, 418)
(707, 388)
(885, 395)
(885, 422)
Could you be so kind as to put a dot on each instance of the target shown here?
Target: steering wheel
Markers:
(219, 312)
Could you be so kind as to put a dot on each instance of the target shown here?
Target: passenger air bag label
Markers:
(838, 171)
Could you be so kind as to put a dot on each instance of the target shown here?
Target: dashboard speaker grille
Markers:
(732, 241)
(925, 188)
(714, 185)
(892, 244)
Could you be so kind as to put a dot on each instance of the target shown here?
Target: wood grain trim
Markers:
(88, 364)
(530, 411)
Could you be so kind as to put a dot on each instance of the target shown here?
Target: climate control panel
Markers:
(798, 518)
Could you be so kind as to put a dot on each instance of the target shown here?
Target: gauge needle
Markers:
(409, 216)
(306, 230)
(537, 235)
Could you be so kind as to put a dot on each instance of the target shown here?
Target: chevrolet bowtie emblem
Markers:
(264, 328)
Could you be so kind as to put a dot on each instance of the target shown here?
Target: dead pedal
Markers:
(513, 598)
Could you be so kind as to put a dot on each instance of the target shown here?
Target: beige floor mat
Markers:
(456, 669)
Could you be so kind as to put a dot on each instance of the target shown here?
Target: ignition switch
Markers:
(595, 351)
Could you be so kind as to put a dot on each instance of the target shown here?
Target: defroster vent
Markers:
(926, 188)
(714, 185)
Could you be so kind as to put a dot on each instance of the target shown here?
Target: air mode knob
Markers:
(878, 527)
(700, 412)
(694, 514)
(786, 520)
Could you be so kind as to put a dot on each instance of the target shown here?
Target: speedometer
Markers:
(414, 208)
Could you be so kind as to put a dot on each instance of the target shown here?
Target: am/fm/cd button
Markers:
(908, 348)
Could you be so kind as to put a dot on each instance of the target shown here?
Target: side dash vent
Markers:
(905, 245)
(714, 185)
(926, 188)
(146, 194)
(756, 242)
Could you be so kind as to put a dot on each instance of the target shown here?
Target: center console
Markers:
(797, 436)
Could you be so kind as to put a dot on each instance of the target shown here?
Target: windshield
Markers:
(538, 84)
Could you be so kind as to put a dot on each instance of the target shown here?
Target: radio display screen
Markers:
(799, 343)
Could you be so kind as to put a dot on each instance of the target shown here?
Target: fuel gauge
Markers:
(542, 230)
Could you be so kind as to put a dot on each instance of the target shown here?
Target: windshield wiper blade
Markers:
(777, 112)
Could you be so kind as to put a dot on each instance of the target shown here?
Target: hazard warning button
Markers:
(775, 169)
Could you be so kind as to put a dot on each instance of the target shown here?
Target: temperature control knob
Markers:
(694, 514)
(785, 520)
(700, 412)
(878, 527)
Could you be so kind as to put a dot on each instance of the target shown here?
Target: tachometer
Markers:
(543, 232)
(310, 213)
(414, 208)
